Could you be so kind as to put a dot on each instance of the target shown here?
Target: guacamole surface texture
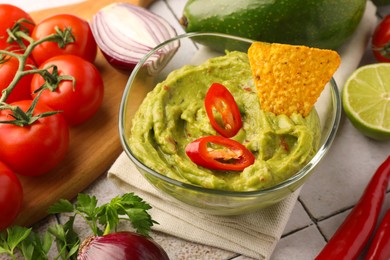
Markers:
(173, 115)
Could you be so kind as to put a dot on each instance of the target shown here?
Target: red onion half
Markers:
(121, 246)
(125, 33)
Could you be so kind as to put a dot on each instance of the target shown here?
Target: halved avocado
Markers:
(323, 24)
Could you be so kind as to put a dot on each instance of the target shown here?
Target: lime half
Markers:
(366, 100)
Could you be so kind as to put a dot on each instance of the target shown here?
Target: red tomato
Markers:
(77, 103)
(83, 46)
(34, 149)
(11, 196)
(219, 153)
(8, 69)
(222, 110)
(10, 14)
(381, 40)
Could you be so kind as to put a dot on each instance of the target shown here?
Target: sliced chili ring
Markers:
(222, 110)
(219, 153)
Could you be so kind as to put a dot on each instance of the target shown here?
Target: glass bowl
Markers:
(194, 48)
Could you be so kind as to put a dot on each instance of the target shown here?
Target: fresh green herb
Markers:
(67, 240)
(127, 207)
(36, 247)
(102, 220)
(132, 208)
(12, 238)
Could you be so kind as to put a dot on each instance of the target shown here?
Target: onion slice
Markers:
(125, 33)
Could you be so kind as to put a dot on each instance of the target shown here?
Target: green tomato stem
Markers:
(61, 37)
(52, 80)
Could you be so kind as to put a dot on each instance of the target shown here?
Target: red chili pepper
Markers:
(353, 234)
(380, 245)
(219, 153)
(222, 110)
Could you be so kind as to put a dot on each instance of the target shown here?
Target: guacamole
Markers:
(173, 115)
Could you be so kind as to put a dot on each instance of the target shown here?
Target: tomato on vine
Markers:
(8, 68)
(11, 196)
(78, 100)
(81, 43)
(9, 15)
(381, 40)
(32, 141)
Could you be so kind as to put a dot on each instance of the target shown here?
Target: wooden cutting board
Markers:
(94, 145)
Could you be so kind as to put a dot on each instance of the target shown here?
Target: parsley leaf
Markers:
(67, 239)
(103, 219)
(62, 206)
(10, 240)
(131, 206)
(34, 247)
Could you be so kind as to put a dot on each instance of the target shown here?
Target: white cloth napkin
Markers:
(255, 234)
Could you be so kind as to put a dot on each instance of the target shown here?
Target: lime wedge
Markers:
(366, 100)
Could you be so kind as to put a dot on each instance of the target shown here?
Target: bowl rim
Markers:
(323, 149)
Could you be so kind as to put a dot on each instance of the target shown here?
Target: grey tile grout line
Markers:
(317, 221)
(312, 218)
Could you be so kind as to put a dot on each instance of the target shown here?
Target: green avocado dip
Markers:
(173, 115)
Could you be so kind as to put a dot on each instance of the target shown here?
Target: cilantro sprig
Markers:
(102, 220)
(128, 207)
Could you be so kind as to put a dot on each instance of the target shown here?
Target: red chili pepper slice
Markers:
(219, 153)
(222, 110)
(380, 245)
(353, 234)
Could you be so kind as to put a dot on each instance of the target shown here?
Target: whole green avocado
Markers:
(323, 24)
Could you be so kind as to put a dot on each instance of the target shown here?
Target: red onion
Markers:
(121, 246)
(125, 33)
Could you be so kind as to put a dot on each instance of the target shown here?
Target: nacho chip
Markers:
(290, 78)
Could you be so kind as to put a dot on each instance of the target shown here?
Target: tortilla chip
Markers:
(290, 78)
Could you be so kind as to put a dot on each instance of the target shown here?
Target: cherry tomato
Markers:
(11, 196)
(8, 69)
(34, 149)
(79, 102)
(222, 110)
(84, 45)
(381, 40)
(219, 153)
(10, 14)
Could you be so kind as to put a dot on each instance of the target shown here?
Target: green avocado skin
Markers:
(316, 23)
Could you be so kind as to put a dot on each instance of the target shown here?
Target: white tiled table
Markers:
(323, 203)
